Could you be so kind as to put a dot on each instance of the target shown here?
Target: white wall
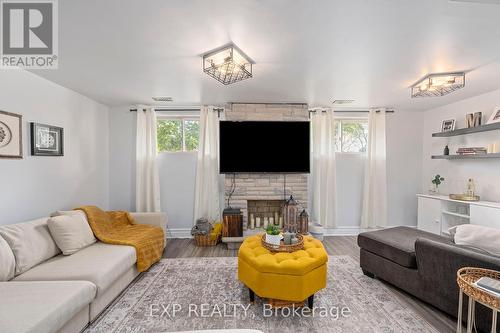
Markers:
(457, 172)
(177, 173)
(37, 185)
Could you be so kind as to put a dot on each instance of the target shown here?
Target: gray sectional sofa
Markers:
(43, 291)
(424, 265)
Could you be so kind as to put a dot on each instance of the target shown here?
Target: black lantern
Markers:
(291, 215)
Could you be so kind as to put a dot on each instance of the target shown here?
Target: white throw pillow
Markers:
(7, 261)
(30, 242)
(71, 232)
(477, 236)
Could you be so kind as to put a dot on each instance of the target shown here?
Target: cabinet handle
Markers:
(436, 220)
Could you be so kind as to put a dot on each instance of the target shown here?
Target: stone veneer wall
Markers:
(250, 186)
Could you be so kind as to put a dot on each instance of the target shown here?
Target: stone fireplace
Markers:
(265, 191)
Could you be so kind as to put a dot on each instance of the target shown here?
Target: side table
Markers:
(466, 277)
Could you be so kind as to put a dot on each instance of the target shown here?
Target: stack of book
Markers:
(472, 151)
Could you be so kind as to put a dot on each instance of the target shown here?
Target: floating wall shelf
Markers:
(462, 131)
(465, 157)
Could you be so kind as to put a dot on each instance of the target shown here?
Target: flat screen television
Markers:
(264, 147)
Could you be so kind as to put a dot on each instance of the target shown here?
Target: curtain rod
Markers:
(353, 111)
(178, 110)
(232, 103)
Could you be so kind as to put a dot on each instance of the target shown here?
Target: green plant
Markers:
(272, 229)
(437, 180)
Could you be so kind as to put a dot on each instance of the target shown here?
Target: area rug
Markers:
(204, 293)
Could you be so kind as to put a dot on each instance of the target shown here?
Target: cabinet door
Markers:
(485, 216)
(429, 215)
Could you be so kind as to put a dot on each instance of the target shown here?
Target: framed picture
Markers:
(495, 116)
(46, 140)
(11, 135)
(448, 125)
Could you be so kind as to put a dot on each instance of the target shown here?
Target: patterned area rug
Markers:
(204, 293)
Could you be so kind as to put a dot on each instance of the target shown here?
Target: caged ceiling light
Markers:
(228, 64)
(438, 84)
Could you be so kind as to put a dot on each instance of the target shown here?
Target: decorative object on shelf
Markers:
(494, 148)
(436, 182)
(273, 235)
(472, 151)
(276, 218)
(46, 140)
(448, 125)
(438, 84)
(252, 222)
(257, 222)
(471, 188)
(291, 215)
(280, 224)
(281, 247)
(228, 64)
(303, 222)
(232, 222)
(446, 151)
(11, 136)
(464, 197)
(495, 116)
(266, 222)
(271, 220)
(473, 119)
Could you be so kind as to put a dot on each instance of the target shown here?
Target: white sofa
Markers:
(60, 293)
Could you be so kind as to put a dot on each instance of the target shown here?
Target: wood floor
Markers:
(338, 245)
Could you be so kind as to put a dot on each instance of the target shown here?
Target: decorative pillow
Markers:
(7, 261)
(71, 232)
(477, 236)
(30, 242)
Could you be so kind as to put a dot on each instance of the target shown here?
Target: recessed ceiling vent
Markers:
(342, 101)
(163, 99)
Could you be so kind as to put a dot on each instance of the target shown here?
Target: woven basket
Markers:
(206, 240)
(467, 276)
(282, 247)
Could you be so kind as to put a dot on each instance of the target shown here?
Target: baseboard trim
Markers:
(179, 233)
(339, 231)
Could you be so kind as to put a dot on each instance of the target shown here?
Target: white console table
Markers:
(438, 213)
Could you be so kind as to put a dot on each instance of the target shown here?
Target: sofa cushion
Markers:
(7, 261)
(99, 263)
(71, 232)
(42, 307)
(30, 242)
(477, 237)
(395, 244)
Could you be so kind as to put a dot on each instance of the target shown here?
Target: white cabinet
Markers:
(429, 215)
(438, 213)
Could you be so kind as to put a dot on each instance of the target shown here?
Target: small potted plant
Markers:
(273, 234)
(436, 182)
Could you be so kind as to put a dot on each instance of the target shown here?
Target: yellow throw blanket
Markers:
(117, 227)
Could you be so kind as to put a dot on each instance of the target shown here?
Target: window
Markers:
(351, 135)
(177, 134)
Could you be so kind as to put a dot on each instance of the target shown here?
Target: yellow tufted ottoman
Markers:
(292, 276)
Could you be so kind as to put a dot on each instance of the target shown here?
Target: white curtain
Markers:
(207, 192)
(374, 212)
(147, 192)
(323, 206)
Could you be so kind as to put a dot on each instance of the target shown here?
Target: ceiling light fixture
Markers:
(228, 64)
(343, 101)
(163, 99)
(439, 84)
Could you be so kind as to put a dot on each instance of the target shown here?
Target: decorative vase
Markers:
(434, 189)
(273, 239)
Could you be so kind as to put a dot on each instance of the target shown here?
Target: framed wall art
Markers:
(11, 135)
(46, 140)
